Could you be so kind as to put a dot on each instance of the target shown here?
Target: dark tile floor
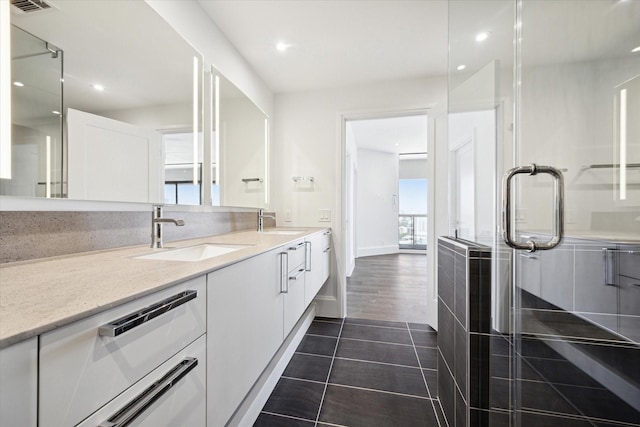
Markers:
(358, 373)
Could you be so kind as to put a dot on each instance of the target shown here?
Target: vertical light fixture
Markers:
(623, 144)
(266, 162)
(47, 183)
(196, 84)
(5, 90)
(217, 125)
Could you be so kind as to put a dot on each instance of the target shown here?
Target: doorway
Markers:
(384, 155)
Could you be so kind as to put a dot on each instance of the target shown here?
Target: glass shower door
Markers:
(576, 352)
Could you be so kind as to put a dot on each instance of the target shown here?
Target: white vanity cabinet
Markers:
(244, 329)
(88, 363)
(19, 384)
(318, 263)
(294, 293)
(171, 395)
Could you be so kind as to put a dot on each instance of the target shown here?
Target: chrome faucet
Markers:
(156, 226)
(261, 217)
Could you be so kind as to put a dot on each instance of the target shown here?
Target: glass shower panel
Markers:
(577, 306)
(475, 383)
(36, 128)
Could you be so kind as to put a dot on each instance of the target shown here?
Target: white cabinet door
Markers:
(318, 263)
(294, 298)
(19, 384)
(244, 329)
(176, 391)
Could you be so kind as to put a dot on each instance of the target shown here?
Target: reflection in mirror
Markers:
(127, 93)
(240, 151)
(36, 128)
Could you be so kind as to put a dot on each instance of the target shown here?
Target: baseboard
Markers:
(250, 408)
(327, 306)
(378, 250)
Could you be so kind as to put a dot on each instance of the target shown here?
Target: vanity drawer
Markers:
(296, 252)
(176, 389)
(88, 363)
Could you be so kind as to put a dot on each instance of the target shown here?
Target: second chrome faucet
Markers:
(156, 226)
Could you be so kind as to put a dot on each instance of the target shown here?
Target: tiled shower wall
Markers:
(465, 341)
(28, 235)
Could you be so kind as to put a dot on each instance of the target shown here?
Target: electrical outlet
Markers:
(287, 216)
(325, 215)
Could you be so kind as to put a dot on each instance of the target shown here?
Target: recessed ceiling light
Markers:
(98, 87)
(461, 67)
(19, 84)
(635, 49)
(480, 37)
(282, 46)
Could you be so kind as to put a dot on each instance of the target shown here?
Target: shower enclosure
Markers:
(547, 93)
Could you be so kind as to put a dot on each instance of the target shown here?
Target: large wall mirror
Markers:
(104, 95)
(240, 147)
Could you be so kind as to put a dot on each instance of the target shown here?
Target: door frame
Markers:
(341, 194)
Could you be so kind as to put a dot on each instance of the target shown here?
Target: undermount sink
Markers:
(283, 232)
(194, 253)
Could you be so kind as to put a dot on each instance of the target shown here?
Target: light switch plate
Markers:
(325, 215)
(287, 216)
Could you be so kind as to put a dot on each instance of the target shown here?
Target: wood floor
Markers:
(389, 287)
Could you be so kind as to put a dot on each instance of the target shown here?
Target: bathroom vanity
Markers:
(102, 337)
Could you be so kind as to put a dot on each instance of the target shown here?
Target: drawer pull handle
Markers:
(296, 247)
(141, 402)
(307, 256)
(609, 260)
(284, 267)
(327, 250)
(297, 275)
(130, 321)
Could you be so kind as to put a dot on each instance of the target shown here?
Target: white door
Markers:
(112, 160)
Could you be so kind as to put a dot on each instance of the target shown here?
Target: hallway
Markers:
(389, 287)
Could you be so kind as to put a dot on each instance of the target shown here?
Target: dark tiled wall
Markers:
(28, 235)
(464, 336)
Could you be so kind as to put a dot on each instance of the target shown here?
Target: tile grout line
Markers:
(290, 417)
(326, 384)
(433, 406)
(376, 390)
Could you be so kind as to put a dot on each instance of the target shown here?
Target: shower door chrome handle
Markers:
(558, 223)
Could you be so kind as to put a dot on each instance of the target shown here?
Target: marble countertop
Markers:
(41, 295)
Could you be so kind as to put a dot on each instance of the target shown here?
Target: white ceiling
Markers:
(335, 43)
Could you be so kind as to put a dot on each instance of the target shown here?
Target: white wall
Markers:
(377, 195)
(308, 143)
